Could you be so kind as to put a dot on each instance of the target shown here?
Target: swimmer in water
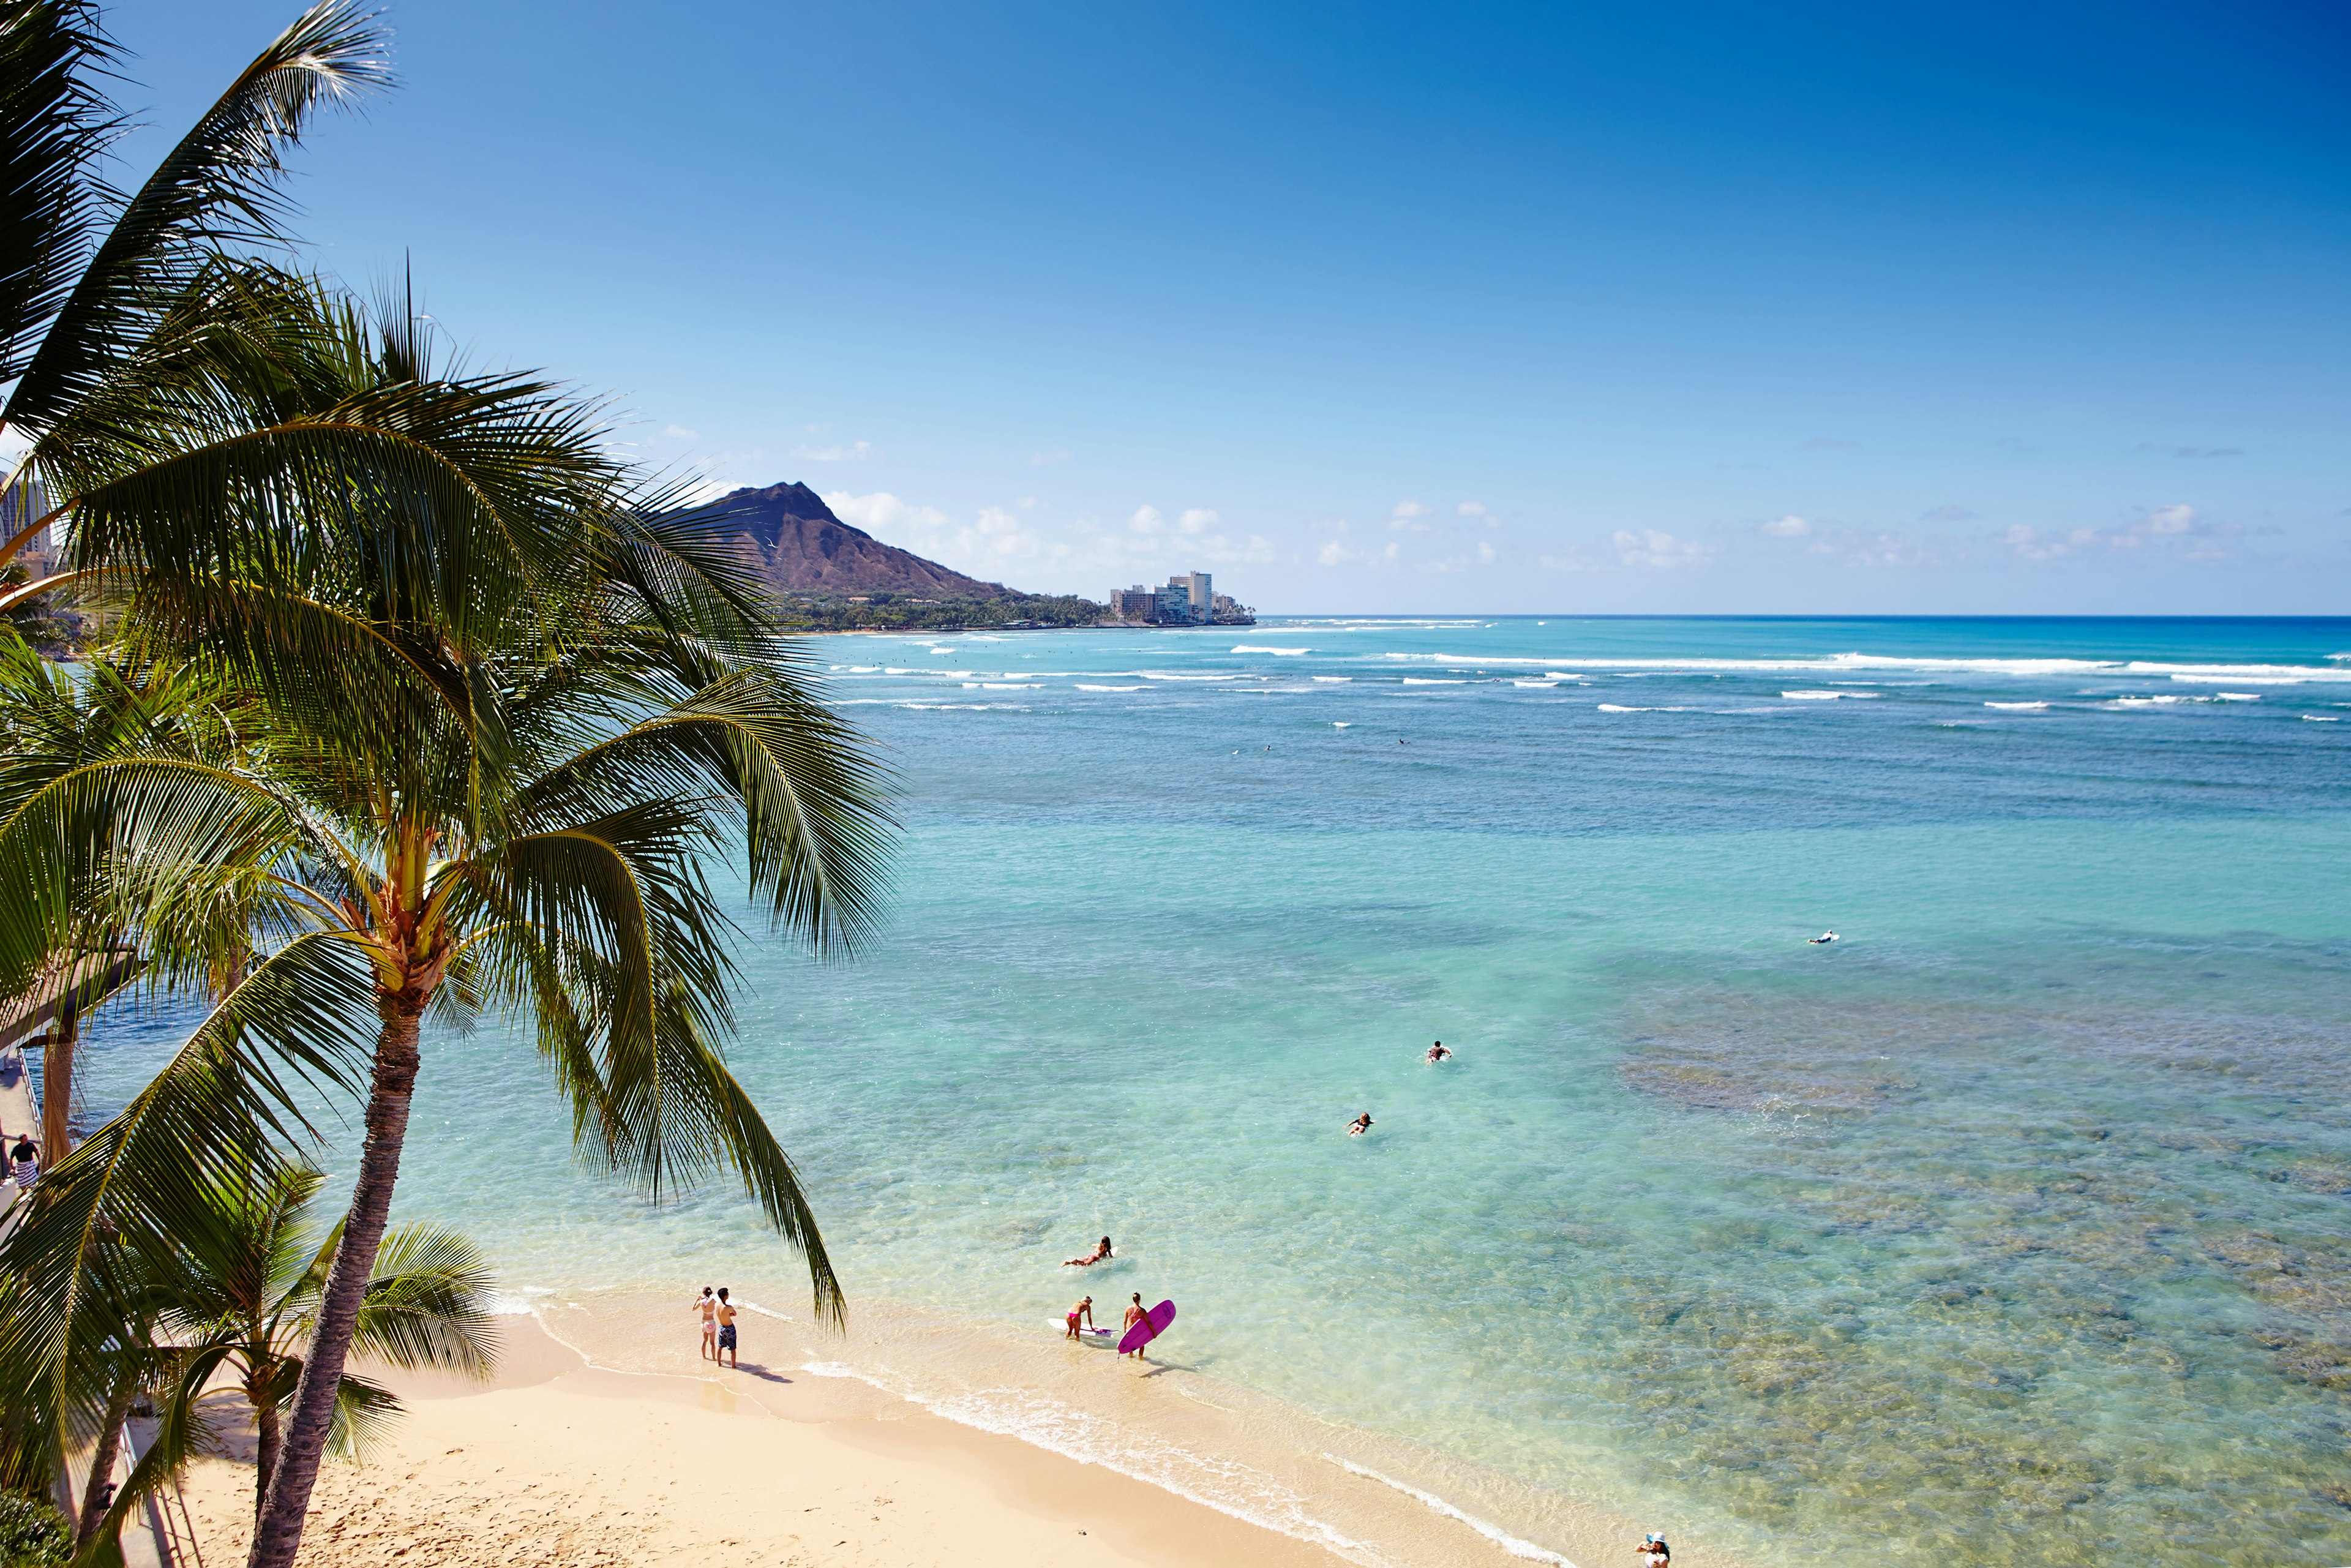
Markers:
(1360, 1125)
(1437, 1052)
(1826, 937)
(1101, 1251)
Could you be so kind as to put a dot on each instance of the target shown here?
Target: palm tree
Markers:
(500, 720)
(87, 273)
(242, 1296)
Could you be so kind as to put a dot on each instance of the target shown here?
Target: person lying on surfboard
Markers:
(1360, 1125)
(1084, 1309)
(1437, 1052)
(1100, 1252)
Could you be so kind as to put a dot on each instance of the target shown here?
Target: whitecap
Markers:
(1526, 1550)
(2322, 718)
(1258, 648)
(1612, 707)
(2234, 679)
(1328, 680)
(1341, 724)
(1541, 686)
(1083, 687)
(2239, 696)
(1824, 696)
(2020, 707)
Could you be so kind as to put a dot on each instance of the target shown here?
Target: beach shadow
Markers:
(761, 1373)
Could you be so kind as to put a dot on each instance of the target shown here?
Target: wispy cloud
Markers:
(1471, 509)
(1948, 514)
(1654, 547)
(2160, 450)
(1791, 527)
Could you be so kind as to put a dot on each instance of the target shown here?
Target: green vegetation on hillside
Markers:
(808, 612)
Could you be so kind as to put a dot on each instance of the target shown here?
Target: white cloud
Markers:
(1655, 548)
(1146, 520)
(1336, 554)
(679, 432)
(882, 510)
(1791, 527)
(1471, 509)
(2173, 520)
(1195, 520)
(1407, 509)
(851, 453)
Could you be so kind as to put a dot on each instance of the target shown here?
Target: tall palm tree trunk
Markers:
(101, 1463)
(56, 1085)
(277, 1534)
(265, 1458)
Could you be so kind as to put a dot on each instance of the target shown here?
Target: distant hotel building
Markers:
(1186, 600)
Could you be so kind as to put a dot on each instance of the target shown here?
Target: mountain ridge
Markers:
(802, 548)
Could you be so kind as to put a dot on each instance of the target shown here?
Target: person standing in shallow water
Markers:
(726, 1342)
(1134, 1314)
(1084, 1309)
(709, 1311)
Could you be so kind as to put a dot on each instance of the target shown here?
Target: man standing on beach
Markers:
(709, 1311)
(726, 1331)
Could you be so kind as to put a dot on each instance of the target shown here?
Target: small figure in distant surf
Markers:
(1360, 1125)
(1823, 940)
(1084, 1309)
(1438, 1054)
(1101, 1252)
(1653, 1550)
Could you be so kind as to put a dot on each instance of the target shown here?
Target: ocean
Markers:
(2012, 1227)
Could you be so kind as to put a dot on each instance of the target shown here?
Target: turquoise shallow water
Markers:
(2015, 1228)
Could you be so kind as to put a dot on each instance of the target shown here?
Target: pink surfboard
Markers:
(1155, 1324)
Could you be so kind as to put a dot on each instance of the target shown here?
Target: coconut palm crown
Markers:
(498, 721)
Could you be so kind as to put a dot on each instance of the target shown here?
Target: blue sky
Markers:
(1787, 307)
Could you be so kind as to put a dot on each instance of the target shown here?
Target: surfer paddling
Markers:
(1823, 940)
(1101, 1253)
(1360, 1125)
(1084, 1309)
(1438, 1053)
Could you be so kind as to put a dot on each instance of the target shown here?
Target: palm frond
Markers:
(55, 121)
(220, 186)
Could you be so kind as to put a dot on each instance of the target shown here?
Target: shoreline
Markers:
(558, 1460)
(1076, 1419)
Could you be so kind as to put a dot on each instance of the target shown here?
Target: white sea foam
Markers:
(1163, 675)
(2322, 718)
(1260, 648)
(1083, 687)
(1342, 724)
(1546, 685)
(1328, 680)
(1010, 686)
(2237, 696)
(1824, 696)
(894, 670)
(1526, 1549)
(2241, 680)
(2020, 707)
(862, 669)
(1849, 663)
(1612, 707)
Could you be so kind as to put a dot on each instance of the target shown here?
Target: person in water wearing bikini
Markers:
(1084, 1309)
(1653, 1551)
(1100, 1252)
(709, 1311)
(1360, 1125)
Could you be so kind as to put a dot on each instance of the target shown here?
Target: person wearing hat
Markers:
(1653, 1550)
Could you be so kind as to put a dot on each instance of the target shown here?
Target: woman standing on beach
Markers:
(1134, 1314)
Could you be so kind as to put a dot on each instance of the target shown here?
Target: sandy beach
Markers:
(557, 1462)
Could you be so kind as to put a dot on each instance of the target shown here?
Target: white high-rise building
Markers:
(1196, 586)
